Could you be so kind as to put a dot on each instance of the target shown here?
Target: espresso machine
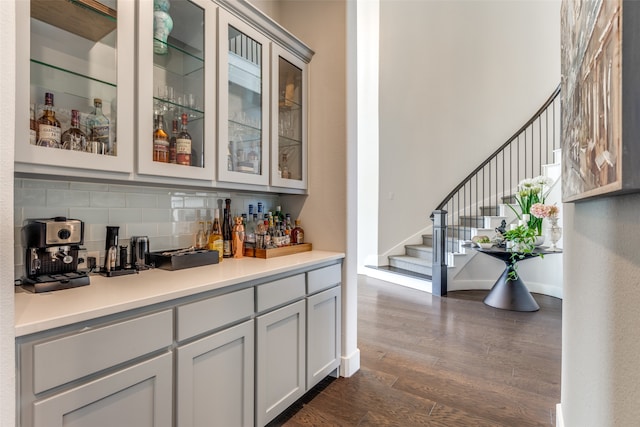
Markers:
(51, 260)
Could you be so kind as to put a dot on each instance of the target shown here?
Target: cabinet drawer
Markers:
(324, 278)
(202, 316)
(280, 292)
(59, 361)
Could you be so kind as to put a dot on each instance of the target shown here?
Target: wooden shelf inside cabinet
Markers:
(86, 18)
(275, 252)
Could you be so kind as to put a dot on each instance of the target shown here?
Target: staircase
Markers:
(416, 262)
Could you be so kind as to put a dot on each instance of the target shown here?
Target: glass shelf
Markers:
(177, 109)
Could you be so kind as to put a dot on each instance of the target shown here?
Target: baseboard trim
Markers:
(350, 364)
(559, 417)
(410, 282)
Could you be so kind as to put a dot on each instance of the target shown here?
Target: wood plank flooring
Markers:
(431, 361)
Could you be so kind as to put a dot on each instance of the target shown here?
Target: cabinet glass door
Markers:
(244, 71)
(176, 107)
(72, 57)
(289, 154)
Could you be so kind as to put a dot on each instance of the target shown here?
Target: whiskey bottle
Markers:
(49, 132)
(216, 241)
(172, 142)
(99, 130)
(160, 142)
(73, 138)
(297, 234)
(183, 144)
(226, 234)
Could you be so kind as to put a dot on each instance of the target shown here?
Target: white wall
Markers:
(457, 79)
(601, 337)
(7, 117)
(329, 210)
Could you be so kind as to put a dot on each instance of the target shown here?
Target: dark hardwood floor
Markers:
(431, 361)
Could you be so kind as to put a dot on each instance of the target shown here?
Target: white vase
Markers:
(539, 241)
(555, 232)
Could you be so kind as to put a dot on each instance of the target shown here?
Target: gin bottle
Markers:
(73, 138)
(99, 130)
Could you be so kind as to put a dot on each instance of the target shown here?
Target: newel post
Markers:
(439, 266)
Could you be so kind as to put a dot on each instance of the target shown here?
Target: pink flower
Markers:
(540, 210)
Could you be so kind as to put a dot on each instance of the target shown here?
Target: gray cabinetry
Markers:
(280, 363)
(215, 379)
(215, 373)
(96, 376)
(323, 335)
(138, 396)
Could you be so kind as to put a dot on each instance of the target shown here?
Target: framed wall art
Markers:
(600, 98)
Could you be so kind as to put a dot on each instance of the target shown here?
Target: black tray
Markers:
(178, 261)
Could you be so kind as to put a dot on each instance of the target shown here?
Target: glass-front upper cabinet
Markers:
(176, 87)
(288, 135)
(74, 91)
(243, 130)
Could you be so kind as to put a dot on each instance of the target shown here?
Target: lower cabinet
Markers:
(215, 379)
(280, 360)
(323, 335)
(138, 396)
(230, 359)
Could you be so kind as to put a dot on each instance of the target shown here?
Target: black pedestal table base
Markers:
(509, 294)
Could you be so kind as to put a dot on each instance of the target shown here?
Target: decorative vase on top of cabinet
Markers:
(176, 89)
(243, 95)
(74, 91)
(289, 131)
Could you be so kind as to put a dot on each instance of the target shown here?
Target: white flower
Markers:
(543, 181)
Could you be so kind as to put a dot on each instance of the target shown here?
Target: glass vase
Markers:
(555, 233)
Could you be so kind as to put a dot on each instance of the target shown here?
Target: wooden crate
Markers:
(276, 252)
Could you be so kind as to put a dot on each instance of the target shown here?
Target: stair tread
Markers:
(412, 260)
(402, 271)
(420, 247)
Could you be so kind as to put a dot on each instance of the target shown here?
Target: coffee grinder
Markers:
(51, 261)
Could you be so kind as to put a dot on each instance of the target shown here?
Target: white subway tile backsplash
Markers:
(141, 200)
(90, 215)
(156, 215)
(121, 216)
(183, 215)
(67, 198)
(30, 212)
(29, 197)
(45, 183)
(194, 202)
(161, 243)
(141, 229)
(168, 216)
(88, 186)
(164, 201)
(106, 199)
(177, 202)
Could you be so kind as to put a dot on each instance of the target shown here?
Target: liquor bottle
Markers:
(99, 130)
(279, 216)
(271, 231)
(260, 212)
(183, 144)
(227, 230)
(287, 229)
(33, 125)
(216, 241)
(73, 138)
(201, 240)
(160, 142)
(250, 228)
(297, 234)
(49, 132)
(172, 141)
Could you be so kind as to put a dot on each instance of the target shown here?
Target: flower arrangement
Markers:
(540, 210)
(531, 192)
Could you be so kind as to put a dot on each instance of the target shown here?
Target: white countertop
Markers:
(105, 296)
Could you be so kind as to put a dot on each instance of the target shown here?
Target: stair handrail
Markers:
(440, 215)
(538, 113)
